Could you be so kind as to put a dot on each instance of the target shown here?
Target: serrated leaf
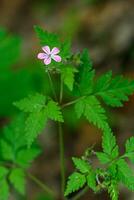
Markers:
(102, 82)
(81, 165)
(90, 107)
(109, 142)
(47, 38)
(113, 190)
(4, 190)
(17, 178)
(125, 174)
(114, 91)
(91, 180)
(33, 103)
(54, 111)
(112, 169)
(67, 75)
(85, 76)
(34, 125)
(26, 156)
(65, 49)
(53, 40)
(103, 157)
(130, 149)
(75, 182)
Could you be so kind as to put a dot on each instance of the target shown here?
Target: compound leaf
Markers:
(114, 91)
(75, 182)
(81, 165)
(32, 103)
(90, 107)
(54, 111)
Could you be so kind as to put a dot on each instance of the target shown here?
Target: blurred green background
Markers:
(106, 28)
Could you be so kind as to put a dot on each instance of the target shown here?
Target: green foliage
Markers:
(92, 110)
(84, 78)
(114, 91)
(35, 123)
(54, 111)
(14, 83)
(130, 149)
(9, 50)
(40, 109)
(67, 75)
(4, 190)
(125, 174)
(17, 178)
(15, 155)
(91, 180)
(33, 103)
(53, 40)
(13, 147)
(109, 143)
(113, 190)
(77, 74)
(76, 181)
(81, 165)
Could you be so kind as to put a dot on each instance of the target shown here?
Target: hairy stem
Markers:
(42, 185)
(62, 158)
(80, 194)
(52, 86)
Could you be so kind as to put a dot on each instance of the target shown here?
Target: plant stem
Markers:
(80, 194)
(62, 158)
(72, 102)
(61, 90)
(52, 86)
(42, 185)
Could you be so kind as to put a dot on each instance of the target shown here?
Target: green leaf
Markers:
(3, 172)
(47, 38)
(34, 125)
(33, 103)
(65, 49)
(125, 174)
(109, 143)
(113, 190)
(85, 75)
(81, 165)
(90, 107)
(103, 157)
(26, 156)
(91, 180)
(53, 40)
(17, 178)
(4, 190)
(54, 111)
(112, 169)
(67, 75)
(130, 149)
(6, 150)
(75, 182)
(114, 91)
(13, 144)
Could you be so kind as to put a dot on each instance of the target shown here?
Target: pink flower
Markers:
(48, 55)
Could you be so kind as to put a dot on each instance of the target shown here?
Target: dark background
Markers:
(106, 28)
